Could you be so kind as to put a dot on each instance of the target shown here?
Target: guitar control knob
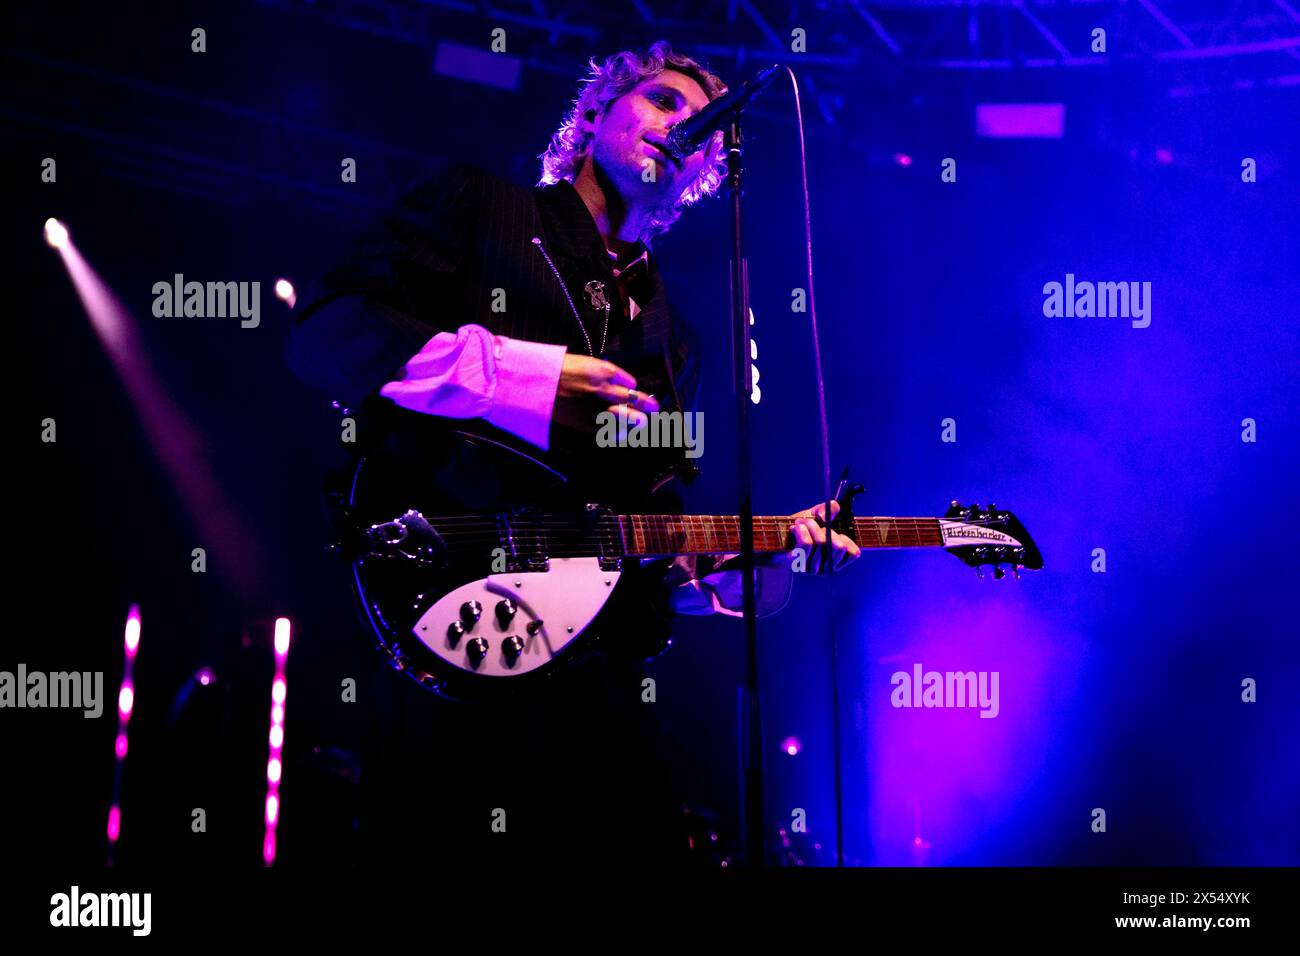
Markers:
(477, 649)
(506, 609)
(513, 646)
(455, 631)
(533, 627)
(470, 612)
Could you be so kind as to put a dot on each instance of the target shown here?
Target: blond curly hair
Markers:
(607, 81)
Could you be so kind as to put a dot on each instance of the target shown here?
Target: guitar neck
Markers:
(667, 535)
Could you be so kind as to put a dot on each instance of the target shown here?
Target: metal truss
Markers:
(1258, 39)
(858, 51)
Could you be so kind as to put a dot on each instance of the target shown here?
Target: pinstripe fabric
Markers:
(459, 249)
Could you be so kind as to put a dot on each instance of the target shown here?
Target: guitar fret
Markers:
(720, 534)
(898, 532)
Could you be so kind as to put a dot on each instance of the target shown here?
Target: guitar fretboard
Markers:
(662, 535)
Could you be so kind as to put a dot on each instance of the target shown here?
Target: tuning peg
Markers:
(979, 573)
(1015, 569)
(954, 504)
(998, 573)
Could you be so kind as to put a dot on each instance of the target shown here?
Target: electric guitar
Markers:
(479, 571)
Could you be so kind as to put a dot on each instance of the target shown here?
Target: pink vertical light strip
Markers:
(274, 763)
(125, 704)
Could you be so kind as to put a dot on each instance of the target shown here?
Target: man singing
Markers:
(531, 312)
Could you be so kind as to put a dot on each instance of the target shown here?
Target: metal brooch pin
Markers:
(596, 293)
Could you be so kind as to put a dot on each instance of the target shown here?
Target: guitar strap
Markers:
(687, 471)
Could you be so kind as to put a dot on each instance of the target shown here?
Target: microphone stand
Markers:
(751, 728)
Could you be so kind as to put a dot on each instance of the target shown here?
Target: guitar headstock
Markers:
(989, 537)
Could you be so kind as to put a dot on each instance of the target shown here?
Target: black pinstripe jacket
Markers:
(443, 258)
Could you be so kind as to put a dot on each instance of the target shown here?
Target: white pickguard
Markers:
(566, 599)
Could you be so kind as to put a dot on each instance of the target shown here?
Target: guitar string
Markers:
(672, 541)
(529, 521)
(467, 530)
(488, 534)
(489, 530)
(524, 528)
(493, 529)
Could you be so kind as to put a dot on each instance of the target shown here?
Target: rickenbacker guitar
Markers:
(480, 572)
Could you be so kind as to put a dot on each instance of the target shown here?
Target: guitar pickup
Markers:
(524, 563)
(608, 537)
(524, 544)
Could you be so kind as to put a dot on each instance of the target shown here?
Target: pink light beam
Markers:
(275, 739)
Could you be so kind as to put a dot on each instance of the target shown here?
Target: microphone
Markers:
(690, 134)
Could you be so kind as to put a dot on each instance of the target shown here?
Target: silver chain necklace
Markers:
(594, 289)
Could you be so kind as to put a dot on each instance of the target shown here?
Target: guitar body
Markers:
(481, 570)
(472, 563)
